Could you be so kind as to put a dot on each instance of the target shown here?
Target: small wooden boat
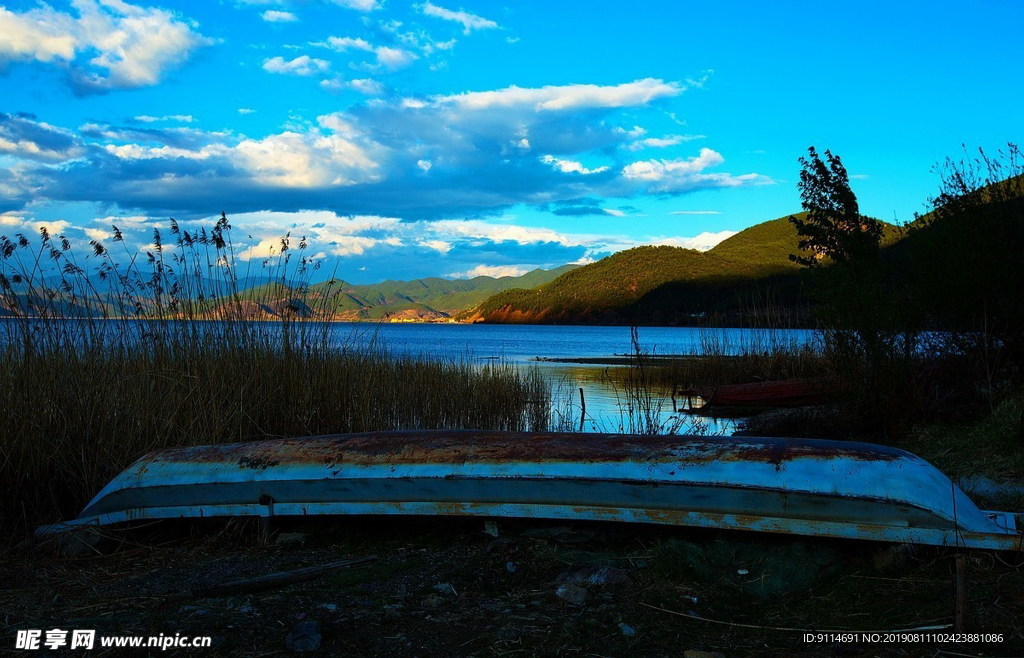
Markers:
(796, 486)
(780, 393)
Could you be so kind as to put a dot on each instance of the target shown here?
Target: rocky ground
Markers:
(453, 587)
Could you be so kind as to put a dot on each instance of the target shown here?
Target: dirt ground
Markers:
(450, 587)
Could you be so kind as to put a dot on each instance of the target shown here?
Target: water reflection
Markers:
(608, 405)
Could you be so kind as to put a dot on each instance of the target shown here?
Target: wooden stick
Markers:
(960, 613)
(279, 579)
(583, 409)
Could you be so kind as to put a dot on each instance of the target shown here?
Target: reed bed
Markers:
(758, 355)
(105, 361)
(642, 401)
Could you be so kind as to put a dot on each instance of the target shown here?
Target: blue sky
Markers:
(451, 138)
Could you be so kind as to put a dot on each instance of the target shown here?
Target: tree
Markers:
(863, 321)
(833, 227)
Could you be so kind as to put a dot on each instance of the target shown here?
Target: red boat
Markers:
(780, 393)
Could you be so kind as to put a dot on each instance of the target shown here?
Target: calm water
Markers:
(522, 343)
(606, 405)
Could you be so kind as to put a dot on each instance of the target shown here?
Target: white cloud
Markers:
(613, 212)
(679, 175)
(341, 44)
(570, 166)
(181, 118)
(566, 97)
(658, 170)
(137, 152)
(286, 160)
(152, 247)
(303, 66)
(662, 142)
(440, 246)
(386, 56)
(367, 86)
(453, 229)
(358, 5)
(126, 46)
(262, 249)
(130, 220)
(40, 34)
(468, 21)
(700, 242)
(496, 271)
(393, 58)
(308, 160)
(97, 234)
(23, 137)
(353, 245)
(274, 16)
(12, 218)
(55, 227)
(318, 222)
(246, 110)
(635, 132)
(337, 245)
(364, 86)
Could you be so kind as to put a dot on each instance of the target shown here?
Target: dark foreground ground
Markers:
(446, 587)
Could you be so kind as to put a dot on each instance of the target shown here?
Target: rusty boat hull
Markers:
(794, 486)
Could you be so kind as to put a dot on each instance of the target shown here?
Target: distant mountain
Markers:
(419, 299)
(662, 284)
(263, 298)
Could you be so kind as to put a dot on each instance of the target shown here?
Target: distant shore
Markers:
(621, 359)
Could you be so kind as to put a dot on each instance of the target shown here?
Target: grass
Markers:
(991, 446)
(103, 360)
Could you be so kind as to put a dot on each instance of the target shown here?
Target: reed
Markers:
(103, 359)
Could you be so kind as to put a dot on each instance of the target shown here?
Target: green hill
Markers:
(600, 291)
(662, 284)
(764, 249)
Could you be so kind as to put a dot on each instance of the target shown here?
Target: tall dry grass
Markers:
(103, 359)
(726, 357)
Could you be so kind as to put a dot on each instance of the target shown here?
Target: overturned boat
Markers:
(795, 486)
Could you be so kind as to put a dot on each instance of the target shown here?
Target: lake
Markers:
(606, 404)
